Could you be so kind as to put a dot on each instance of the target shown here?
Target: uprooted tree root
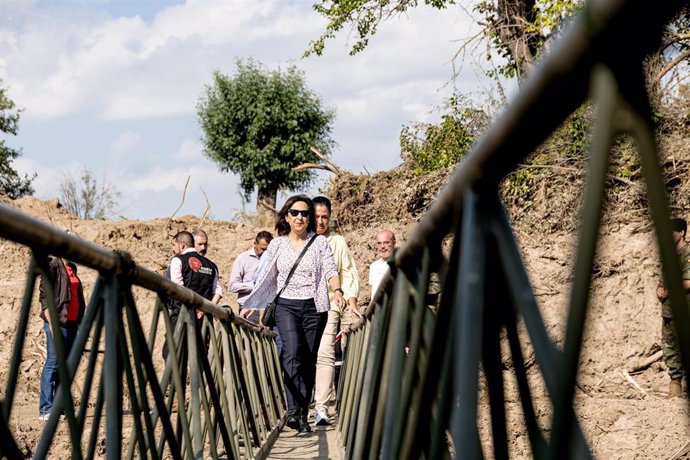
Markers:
(388, 196)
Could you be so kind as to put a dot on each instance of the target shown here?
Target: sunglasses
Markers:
(297, 212)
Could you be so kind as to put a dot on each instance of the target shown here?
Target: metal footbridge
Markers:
(417, 363)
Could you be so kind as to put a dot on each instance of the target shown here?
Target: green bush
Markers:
(430, 147)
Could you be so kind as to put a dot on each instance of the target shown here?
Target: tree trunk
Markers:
(267, 196)
(511, 25)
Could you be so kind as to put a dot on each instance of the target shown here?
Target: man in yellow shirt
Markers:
(349, 282)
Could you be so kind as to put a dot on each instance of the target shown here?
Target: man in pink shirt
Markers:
(244, 271)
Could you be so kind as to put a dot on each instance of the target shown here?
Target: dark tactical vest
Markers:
(198, 273)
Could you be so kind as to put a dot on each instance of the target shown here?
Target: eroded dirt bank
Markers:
(620, 419)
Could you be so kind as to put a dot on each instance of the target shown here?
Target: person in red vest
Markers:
(68, 294)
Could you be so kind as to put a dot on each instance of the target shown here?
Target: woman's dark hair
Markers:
(282, 226)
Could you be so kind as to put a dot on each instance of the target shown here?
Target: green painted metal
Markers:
(219, 393)
(419, 379)
(415, 373)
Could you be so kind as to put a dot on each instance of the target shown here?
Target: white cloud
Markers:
(125, 145)
(59, 64)
(66, 61)
(189, 150)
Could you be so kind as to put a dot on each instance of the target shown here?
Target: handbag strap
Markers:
(294, 267)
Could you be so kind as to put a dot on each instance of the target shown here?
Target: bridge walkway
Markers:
(320, 444)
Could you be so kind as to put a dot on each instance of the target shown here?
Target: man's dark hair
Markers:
(322, 201)
(679, 225)
(264, 235)
(186, 238)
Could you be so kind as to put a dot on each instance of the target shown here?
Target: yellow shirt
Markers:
(347, 271)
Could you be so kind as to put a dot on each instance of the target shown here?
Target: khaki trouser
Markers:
(325, 360)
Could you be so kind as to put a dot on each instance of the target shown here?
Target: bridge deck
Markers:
(319, 444)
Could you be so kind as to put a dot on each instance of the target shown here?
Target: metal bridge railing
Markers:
(219, 394)
(411, 382)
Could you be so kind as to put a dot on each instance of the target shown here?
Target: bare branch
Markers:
(314, 166)
(644, 364)
(267, 206)
(675, 39)
(323, 157)
(184, 193)
(677, 60)
(207, 210)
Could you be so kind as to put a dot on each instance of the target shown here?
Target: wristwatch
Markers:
(338, 290)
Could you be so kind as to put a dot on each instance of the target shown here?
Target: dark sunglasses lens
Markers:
(297, 212)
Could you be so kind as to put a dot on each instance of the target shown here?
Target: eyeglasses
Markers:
(297, 212)
(385, 243)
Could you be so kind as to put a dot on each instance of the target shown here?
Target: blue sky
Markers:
(112, 85)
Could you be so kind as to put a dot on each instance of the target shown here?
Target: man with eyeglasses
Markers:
(385, 243)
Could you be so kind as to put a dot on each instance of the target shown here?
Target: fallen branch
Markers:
(647, 362)
(680, 58)
(328, 161)
(44, 352)
(680, 452)
(207, 210)
(583, 389)
(184, 193)
(314, 166)
(632, 381)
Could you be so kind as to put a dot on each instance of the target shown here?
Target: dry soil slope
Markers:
(623, 324)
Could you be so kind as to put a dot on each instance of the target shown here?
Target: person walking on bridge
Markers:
(244, 270)
(337, 318)
(301, 310)
(190, 269)
(385, 243)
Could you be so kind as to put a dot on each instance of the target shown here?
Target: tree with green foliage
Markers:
(517, 30)
(428, 147)
(11, 183)
(261, 124)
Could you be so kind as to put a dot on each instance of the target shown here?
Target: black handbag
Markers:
(269, 319)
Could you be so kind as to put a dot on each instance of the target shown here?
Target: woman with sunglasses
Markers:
(302, 309)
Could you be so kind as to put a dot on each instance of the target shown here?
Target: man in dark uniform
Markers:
(190, 269)
(669, 343)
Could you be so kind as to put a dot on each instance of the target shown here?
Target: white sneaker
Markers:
(321, 418)
(44, 417)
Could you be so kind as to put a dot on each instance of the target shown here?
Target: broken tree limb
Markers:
(207, 210)
(644, 364)
(632, 381)
(314, 166)
(184, 193)
(680, 452)
(324, 158)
